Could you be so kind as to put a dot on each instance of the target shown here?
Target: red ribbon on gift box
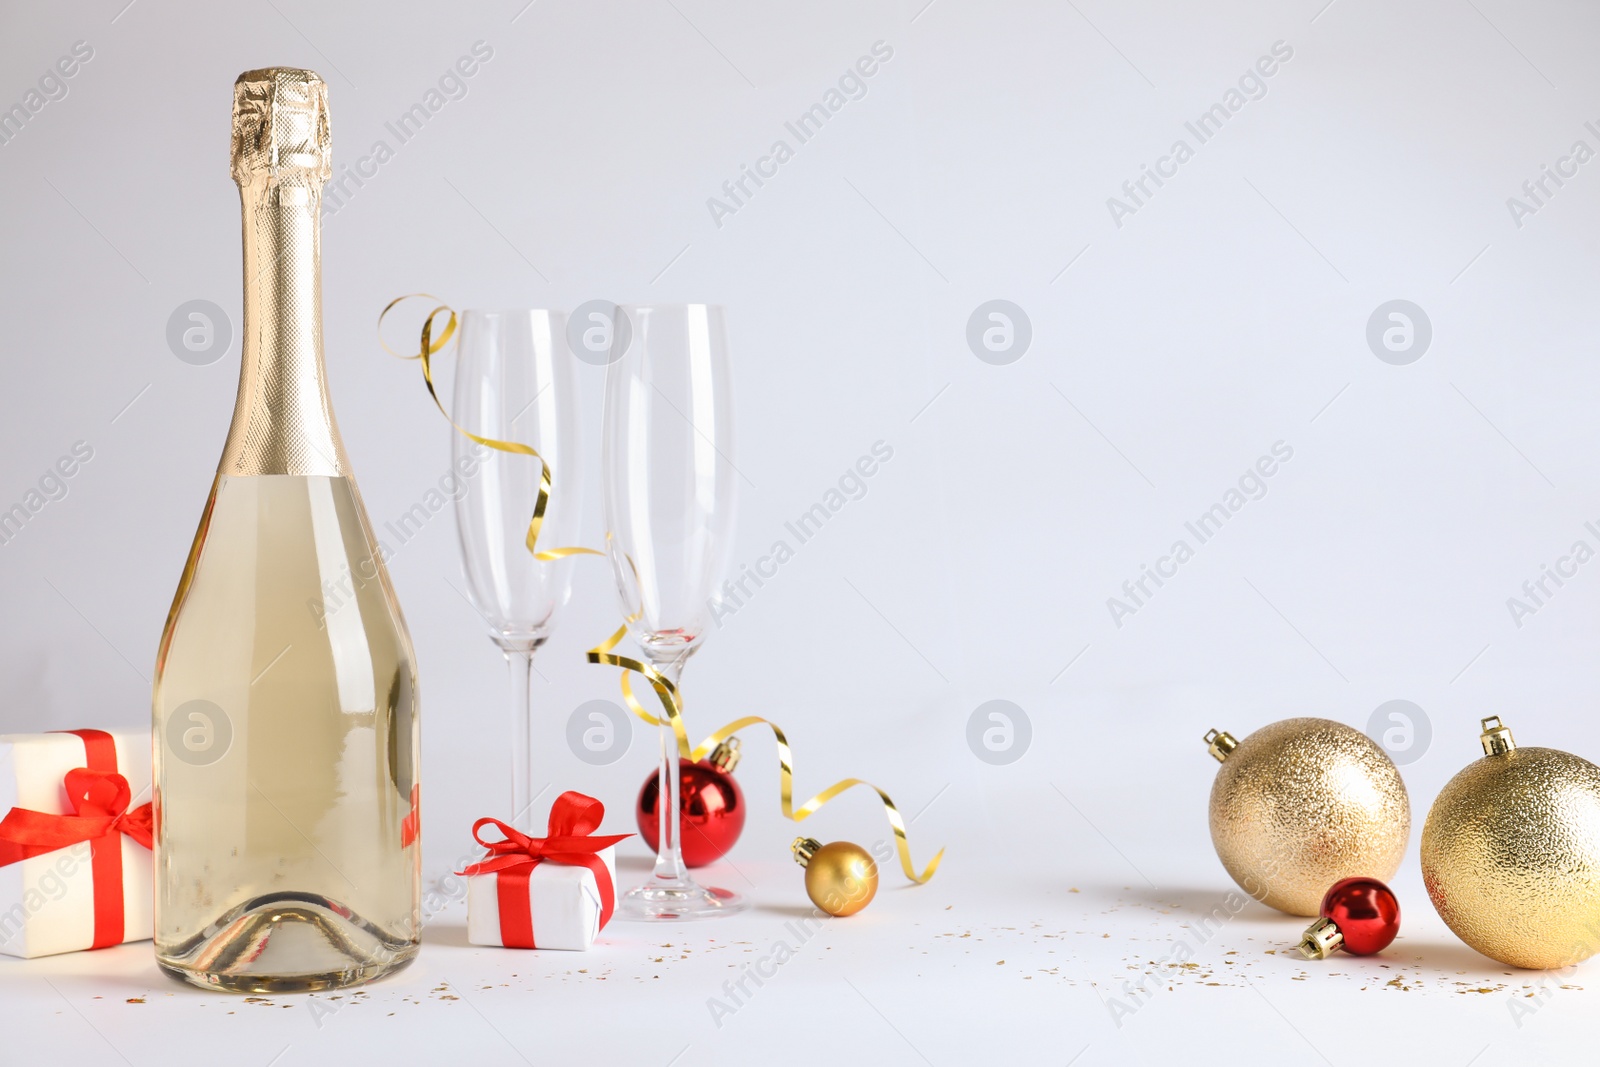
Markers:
(100, 798)
(512, 859)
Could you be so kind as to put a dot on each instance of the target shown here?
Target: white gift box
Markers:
(563, 901)
(47, 902)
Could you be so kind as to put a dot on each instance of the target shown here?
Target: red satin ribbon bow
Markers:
(99, 797)
(100, 809)
(573, 818)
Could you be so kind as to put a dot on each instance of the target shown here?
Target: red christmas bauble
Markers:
(709, 801)
(1366, 913)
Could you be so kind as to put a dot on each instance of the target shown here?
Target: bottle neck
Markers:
(282, 421)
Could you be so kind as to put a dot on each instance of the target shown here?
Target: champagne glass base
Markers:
(677, 902)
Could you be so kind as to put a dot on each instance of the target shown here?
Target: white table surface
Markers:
(1020, 945)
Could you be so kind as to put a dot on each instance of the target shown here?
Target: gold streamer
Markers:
(671, 703)
(665, 691)
(431, 347)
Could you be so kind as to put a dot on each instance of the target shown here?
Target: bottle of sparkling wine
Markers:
(285, 695)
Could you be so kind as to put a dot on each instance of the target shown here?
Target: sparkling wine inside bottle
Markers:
(285, 698)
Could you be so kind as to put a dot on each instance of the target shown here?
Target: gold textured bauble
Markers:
(1303, 803)
(1511, 853)
(841, 878)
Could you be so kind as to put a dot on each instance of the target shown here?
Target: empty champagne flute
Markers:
(514, 382)
(669, 496)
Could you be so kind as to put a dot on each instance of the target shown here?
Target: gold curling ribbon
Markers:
(671, 703)
(431, 347)
(602, 654)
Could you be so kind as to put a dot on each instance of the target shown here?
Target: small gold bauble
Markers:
(1511, 853)
(841, 878)
(1303, 803)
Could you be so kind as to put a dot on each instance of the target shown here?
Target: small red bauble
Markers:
(1359, 915)
(709, 800)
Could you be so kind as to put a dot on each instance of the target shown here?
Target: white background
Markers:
(1228, 313)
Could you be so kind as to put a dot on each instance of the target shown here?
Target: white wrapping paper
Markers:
(564, 902)
(47, 901)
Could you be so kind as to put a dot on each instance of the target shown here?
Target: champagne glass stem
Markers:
(521, 664)
(669, 851)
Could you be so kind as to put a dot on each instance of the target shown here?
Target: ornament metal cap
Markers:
(725, 757)
(804, 848)
(1321, 940)
(1220, 743)
(1496, 738)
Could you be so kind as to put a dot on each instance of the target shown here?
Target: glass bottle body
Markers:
(286, 755)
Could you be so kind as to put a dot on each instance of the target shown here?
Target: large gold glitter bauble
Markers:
(1511, 853)
(1303, 803)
